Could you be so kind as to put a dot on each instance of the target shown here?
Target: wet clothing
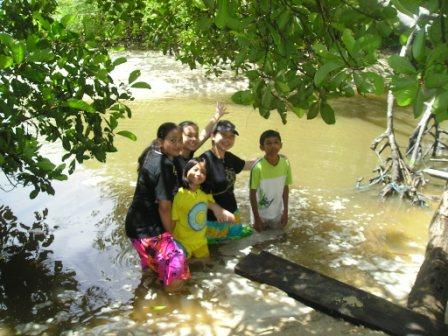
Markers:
(164, 256)
(269, 181)
(180, 163)
(220, 179)
(190, 213)
(157, 180)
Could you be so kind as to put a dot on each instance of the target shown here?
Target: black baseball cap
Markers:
(225, 126)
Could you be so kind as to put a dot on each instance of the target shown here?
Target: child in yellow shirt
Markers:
(189, 211)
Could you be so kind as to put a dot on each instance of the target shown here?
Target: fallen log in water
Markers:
(336, 298)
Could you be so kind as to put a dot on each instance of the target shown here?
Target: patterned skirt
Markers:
(164, 256)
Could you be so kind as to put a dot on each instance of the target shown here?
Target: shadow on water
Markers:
(37, 293)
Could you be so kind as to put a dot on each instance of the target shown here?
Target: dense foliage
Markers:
(54, 87)
(298, 54)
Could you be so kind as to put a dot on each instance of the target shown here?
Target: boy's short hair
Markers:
(269, 134)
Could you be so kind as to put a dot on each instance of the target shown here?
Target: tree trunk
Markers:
(429, 295)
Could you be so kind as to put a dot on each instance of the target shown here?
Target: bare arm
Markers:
(205, 133)
(165, 215)
(222, 215)
(284, 219)
(258, 223)
(249, 164)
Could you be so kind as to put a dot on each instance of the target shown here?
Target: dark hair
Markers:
(269, 134)
(162, 132)
(164, 129)
(187, 123)
(190, 164)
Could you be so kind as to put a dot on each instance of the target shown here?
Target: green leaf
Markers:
(369, 82)
(141, 85)
(80, 105)
(252, 74)
(419, 103)
(204, 23)
(418, 45)
(407, 95)
(441, 103)
(324, 70)
(300, 112)
(243, 97)
(408, 7)
(347, 38)
(327, 113)
(18, 52)
(222, 15)
(128, 135)
(5, 62)
(34, 193)
(313, 111)
(118, 61)
(401, 65)
(60, 177)
(41, 55)
(6, 39)
(46, 164)
(134, 75)
(435, 80)
(283, 19)
(68, 19)
(266, 99)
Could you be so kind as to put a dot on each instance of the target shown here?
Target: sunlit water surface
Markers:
(91, 283)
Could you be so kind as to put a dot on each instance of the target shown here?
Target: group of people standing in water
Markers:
(183, 203)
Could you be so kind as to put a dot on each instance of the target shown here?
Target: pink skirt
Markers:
(164, 256)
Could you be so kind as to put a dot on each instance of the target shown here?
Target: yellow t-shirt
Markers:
(189, 210)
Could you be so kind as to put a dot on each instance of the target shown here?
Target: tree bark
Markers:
(415, 141)
(429, 295)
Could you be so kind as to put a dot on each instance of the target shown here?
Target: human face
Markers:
(224, 140)
(190, 138)
(172, 144)
(196, 174)
(271, 146)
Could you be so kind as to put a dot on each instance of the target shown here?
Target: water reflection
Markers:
(38, 294)
(31, 285)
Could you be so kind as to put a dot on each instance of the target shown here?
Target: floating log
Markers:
(336, 298)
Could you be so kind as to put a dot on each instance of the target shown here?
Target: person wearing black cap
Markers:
(222, 167)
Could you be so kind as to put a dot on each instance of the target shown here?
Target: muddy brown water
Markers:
(90, 283)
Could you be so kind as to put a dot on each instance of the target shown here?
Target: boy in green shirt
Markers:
(270, 178)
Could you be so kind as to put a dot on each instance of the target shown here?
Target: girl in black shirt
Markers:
(222, 167)
(148, 222)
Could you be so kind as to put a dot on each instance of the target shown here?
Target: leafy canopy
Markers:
(54, 87)
(299, 54)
